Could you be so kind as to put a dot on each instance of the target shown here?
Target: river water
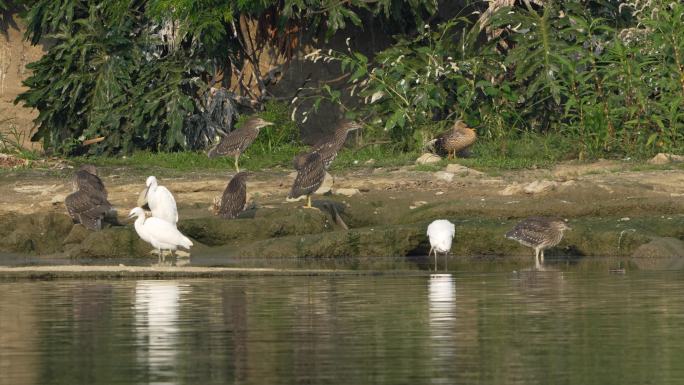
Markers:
(548, 327)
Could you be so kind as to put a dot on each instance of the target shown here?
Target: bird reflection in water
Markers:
(442, 321)
(156, 325)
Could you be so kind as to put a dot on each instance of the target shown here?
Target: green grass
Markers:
(492, 156)
(253, 159)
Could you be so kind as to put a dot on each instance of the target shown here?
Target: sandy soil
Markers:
(29, 191)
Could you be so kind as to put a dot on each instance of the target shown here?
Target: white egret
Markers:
(441, 232)
(162, 235)
(161, 201)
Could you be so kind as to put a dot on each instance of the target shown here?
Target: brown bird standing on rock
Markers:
(459, 138)
(329, 148)
(236, 142)
(539, 233)
(310, 176)
(234, 196)
(88, 204)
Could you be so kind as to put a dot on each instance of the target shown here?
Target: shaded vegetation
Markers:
(611, 78)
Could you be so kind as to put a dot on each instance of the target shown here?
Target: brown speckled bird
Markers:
(459, 138)
(310, 176)
(88, 203)
(236, 142)
(86, 179)
(539, 233)
(234, 196)
(330, 147)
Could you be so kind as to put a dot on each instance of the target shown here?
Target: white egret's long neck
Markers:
(139, 222)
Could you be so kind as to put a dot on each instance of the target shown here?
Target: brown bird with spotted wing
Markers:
(459, 138)
(88, 204)
(234, 196)
(236, 142)
(310, 176)
(330, 147)
(539, 233)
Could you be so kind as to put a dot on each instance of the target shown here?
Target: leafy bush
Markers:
(137, 73)
(615, 85)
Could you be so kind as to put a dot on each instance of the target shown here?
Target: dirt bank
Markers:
(614, 211)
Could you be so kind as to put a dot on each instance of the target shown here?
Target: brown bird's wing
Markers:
(234, 143)
(87, 209)
(85, 181)
(309, 177)
(531, 231)
(234, 198)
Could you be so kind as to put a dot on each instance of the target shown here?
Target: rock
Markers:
(512, 189)
(11, 161)
(417, 204)
(445, 176)
(428, 158)
(57, 199)
(664, 247)
(462, 170)
(113, 242)
(663, 158)
(267, 223)
(370, 161)
(326, 187)
(38, 233)
(347, 191)
(540, 186)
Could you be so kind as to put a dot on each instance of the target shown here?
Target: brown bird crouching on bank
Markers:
(88, 204)
(234, 196)
(538, 233)
(310, 176)
(236, 142)
(329, 148)
(459, 138)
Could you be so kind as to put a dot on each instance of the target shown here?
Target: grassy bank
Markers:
(526, 152)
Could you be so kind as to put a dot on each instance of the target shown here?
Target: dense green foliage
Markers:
(609, 77)
(138, 73)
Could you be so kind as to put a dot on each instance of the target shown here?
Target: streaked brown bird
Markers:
(310, 176)
(539, 233)
(329, 148)
(459, 138)
(237, 141)
(86, 179)
(88, 204)
(234, 196)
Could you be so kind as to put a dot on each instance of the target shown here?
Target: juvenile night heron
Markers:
(441, 232)
(539, 233)
(310, 176)
(330, 147)
(161, 234)
(234, 196)
(86, 179)
(161, 201)
(459, 138)
(88, 204)
(237, 141)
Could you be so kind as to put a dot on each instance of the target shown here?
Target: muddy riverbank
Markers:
(614, 211)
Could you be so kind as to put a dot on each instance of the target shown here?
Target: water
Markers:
(502, 328)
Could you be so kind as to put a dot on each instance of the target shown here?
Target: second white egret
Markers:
(441, 232)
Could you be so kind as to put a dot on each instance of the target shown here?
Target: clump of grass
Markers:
(11, 139)
(372, 156)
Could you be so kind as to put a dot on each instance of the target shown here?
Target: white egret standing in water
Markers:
(161, 201)
(441, 232)
(158, 232)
